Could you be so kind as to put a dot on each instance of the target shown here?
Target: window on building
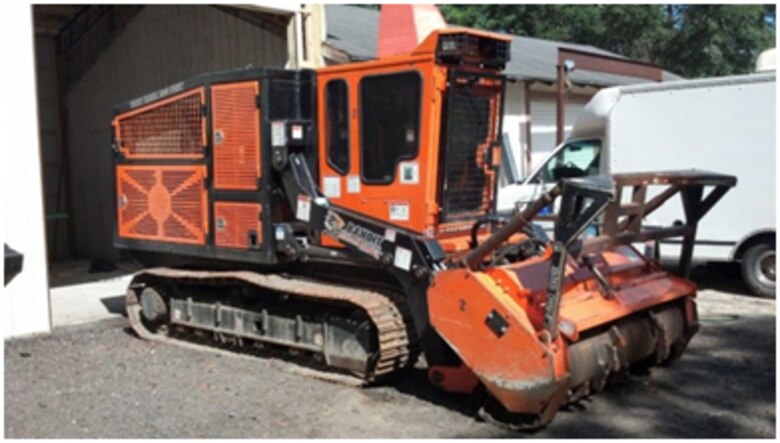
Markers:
(389, 124)
(337, 125)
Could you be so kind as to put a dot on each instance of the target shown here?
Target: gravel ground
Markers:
(101, 381)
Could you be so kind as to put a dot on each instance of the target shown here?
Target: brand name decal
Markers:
(361, 238)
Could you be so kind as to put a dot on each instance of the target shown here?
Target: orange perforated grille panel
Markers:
(166, 203)
(237, 223)
(236, 133)
(169, 128)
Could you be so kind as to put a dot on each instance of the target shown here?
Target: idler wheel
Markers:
(147, 314)
(153, 306)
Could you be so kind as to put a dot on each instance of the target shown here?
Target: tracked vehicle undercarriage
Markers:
(336, 327)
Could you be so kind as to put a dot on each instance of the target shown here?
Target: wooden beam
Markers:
(571, 97)
(62, 11)
(589, 61)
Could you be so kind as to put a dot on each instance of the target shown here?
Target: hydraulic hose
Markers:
(516, 223)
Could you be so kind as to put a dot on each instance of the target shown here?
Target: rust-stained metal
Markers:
(648, 337)
(560, 102)
(622, 221)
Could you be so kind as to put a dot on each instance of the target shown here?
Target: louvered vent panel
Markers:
(236, 135)
(236, 224)
(169, 128)
(165, 203)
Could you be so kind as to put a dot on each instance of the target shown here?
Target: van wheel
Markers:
(758, 269)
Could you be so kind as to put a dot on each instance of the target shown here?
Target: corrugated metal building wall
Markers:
(51, 149)
(160, 46)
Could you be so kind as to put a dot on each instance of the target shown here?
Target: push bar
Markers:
(623, 221)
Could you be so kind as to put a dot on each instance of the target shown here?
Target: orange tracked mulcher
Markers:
(346, 218)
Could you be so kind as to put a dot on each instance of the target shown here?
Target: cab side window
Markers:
(337, 125)
(389, 124)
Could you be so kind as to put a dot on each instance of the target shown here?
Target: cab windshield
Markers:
(576, 159)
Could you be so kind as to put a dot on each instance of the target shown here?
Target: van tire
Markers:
(758, 269)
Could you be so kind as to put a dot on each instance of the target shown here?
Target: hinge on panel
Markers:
(258, 101)
(204, 110)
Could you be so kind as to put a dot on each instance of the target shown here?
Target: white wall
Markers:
(514, 122)
(543, 121)
(544, 126)
(26, 298)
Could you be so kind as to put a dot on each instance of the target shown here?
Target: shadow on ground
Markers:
(415, 383)
(115, 304)
(74, 272)
(717, 276)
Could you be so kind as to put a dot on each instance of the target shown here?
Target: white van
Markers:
(724, 124)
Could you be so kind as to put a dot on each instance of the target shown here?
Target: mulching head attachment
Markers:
(555, 327)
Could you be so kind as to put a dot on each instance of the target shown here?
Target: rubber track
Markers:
(390, 323)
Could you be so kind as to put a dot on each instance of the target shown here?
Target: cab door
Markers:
(377, 150)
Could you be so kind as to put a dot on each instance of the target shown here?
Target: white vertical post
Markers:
(26, 298)
(298, 18)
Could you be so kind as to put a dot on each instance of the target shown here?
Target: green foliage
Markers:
(692, 40)
(719, 39)
(368, 6)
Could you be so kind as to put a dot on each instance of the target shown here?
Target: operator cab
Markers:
(415, 139)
